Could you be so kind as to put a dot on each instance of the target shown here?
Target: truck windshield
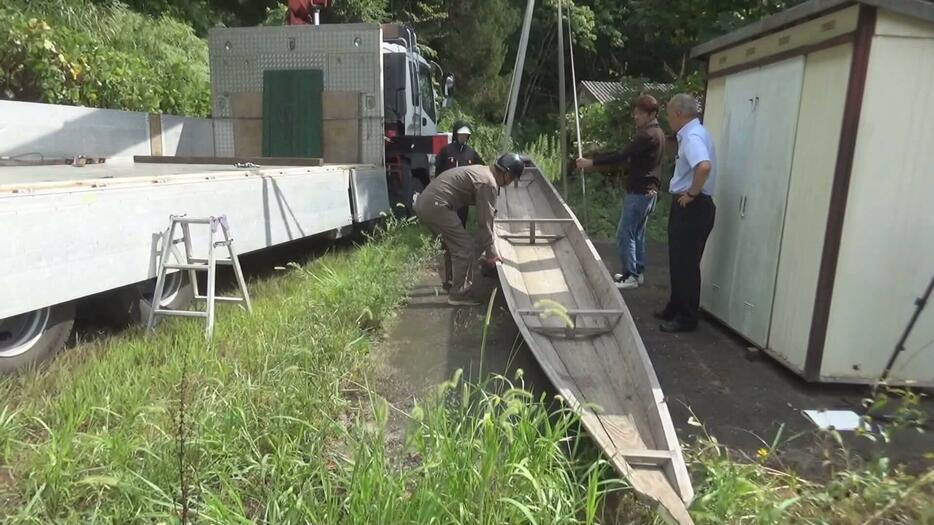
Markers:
(426, 90)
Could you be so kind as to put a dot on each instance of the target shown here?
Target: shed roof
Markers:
(604, 92)
(922, 9)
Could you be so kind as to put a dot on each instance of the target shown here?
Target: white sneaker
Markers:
(631, 282)
(619, 278)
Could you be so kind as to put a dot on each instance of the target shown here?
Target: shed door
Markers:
(761, 211)
(292, 113)
(733, 154)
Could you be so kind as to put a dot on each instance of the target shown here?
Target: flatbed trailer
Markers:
(72, 232)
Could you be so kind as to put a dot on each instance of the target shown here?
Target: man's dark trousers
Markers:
(688, 229)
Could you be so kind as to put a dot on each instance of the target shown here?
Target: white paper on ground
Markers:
(836, 419)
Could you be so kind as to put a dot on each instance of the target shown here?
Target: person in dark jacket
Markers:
(456, 154)
(644, 157)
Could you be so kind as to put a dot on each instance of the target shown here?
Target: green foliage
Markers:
(734, 489)
(356, 11)
(486, 455)
(278, 423)
(102, 57)
(94, 436)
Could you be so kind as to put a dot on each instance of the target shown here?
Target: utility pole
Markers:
(562, 110)
(517, 73)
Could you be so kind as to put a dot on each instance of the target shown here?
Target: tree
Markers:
(472, 45)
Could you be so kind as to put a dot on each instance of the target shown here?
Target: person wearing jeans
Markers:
(630, 236)
(644, 156)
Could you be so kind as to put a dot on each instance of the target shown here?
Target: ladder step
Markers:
(195, 220)
(174, 266)
(221, 299)
(218, 244)
(200, 260)
(181, 313)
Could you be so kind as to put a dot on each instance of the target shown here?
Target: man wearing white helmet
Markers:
(458, 153)
(457, 188)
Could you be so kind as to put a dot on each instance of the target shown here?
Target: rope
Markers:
(577, 119)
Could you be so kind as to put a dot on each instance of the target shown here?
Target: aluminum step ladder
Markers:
(192, 265)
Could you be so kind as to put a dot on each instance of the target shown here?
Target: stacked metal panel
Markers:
(348, 54)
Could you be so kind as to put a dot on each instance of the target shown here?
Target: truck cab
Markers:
(410, 108)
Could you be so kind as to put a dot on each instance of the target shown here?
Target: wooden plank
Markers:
(647, 457)
(341, 105)
(601, 313)
(246, 105)
(247, 111)
(607, 377)
(260, 161)
(341, 141)
(155, 133)
(248, 137)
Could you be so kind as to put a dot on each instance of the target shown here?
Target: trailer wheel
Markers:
(132, 304)
(32, 337)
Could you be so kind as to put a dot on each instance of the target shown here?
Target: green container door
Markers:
(292, 113)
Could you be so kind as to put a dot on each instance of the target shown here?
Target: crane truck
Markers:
(315, 129)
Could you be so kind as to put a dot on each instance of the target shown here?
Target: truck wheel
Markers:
(34, 336)
(132, 304)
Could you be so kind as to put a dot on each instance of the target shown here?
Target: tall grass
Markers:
(267, 423)
(734, 488)
(94, 436)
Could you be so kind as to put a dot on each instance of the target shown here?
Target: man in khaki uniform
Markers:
(437, 207)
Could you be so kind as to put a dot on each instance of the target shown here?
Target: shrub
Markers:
(106, 57)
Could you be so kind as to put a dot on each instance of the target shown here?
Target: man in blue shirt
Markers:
(692, 213)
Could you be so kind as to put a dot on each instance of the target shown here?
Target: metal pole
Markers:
(562, 98)
(517, 73)
(900, 346)
(577, 118)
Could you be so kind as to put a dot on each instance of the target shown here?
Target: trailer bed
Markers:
(28, 177)
(70, 232)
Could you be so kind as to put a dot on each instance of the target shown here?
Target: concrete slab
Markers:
(743, 398)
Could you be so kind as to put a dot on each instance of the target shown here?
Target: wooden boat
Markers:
(578, 327)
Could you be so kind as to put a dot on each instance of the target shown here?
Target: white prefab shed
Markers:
(823, 119)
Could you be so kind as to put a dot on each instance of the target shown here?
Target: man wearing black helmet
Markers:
(456, 154)
(437, 207)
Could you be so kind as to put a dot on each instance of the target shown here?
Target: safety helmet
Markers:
(460, 128)
(511, 163)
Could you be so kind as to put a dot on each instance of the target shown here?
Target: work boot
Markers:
(665, 314)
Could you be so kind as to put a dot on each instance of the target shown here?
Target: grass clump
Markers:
(134, 428)
(735, 489)
(487, 454)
